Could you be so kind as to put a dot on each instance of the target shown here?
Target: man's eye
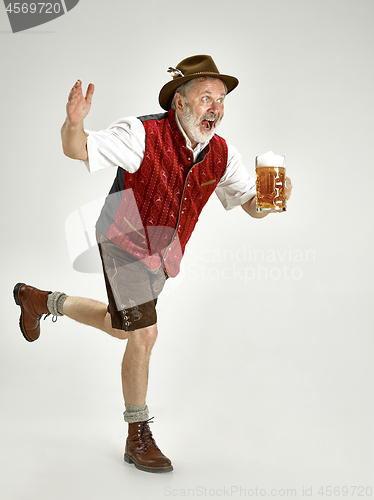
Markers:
(205, 99)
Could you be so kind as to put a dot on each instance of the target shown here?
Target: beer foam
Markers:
(269, 159)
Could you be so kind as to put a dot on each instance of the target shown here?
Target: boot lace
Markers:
(146, 434)
(54, 318)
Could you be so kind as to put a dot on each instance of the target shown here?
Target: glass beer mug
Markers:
(270, 182)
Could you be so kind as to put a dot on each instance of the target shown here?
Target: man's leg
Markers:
(141, 448)
(139, 346)
(93, 313)
(135, 365)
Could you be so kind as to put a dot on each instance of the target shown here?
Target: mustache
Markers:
(209, 116)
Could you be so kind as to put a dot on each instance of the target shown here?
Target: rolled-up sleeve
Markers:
(236, 185)
(120, 145)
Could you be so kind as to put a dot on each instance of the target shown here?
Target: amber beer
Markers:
(270, 183)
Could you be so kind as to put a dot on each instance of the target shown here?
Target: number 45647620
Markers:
(33, 8)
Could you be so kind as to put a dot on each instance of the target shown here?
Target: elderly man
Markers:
(168, 165)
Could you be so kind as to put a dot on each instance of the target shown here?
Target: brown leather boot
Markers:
(33, 303)
(142, 451)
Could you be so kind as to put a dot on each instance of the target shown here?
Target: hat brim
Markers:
(167, 92)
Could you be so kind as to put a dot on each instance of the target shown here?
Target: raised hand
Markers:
(78, 106)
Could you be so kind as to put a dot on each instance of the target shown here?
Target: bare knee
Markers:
(144, 338)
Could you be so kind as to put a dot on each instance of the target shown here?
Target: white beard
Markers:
(192, 125)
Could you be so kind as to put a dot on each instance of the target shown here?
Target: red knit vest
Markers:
(161, 202)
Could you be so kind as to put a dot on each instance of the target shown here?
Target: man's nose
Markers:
(215, 108)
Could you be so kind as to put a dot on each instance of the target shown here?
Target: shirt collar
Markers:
(199, 147)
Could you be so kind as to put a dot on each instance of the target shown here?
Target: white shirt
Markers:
(123, 145)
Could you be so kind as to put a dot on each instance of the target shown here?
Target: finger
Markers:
(76, 90)
(89, 93)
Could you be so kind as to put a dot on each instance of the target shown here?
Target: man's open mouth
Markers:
(208, 123)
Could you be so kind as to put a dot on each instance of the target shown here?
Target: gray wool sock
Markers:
(135, 413)
(55, 301)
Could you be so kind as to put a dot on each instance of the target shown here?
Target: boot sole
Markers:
(18, 302)
(147, 469)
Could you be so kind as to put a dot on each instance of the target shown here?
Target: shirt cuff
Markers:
(91, 164)
(231, 203)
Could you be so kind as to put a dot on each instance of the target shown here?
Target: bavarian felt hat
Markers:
(192, 67)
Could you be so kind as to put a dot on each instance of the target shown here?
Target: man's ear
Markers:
(179, 101)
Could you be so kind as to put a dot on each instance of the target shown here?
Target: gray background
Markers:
(261, 382)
